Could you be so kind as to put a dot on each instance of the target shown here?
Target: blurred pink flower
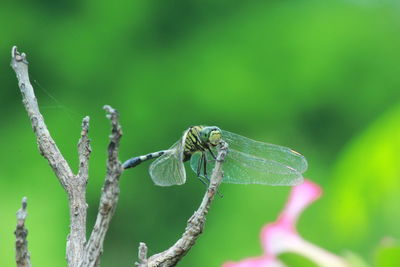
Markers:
(281, 236)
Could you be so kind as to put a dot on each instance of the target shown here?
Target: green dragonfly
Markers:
(247, 161)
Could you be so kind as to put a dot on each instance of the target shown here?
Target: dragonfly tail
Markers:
(133, 162)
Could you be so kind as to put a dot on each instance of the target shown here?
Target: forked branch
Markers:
(75, 186)
(79, 252)
(109, 195)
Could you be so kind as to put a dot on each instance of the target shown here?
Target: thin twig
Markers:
(74, 185)
(84, 150)
(77, 200)
(46, 144)
(142, 255)
(22, 256)
(109, 196)
(195, 225)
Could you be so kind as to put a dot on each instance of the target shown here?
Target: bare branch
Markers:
(22, 256)
(84, 150)
(46, 144)
(79, 252)
(142, 255)
(195, 225)
(77, 200)
(75, 186)
(109, 196)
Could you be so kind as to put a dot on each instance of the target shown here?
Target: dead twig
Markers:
(79, 253)
(195, 225)
(22, 256)
(109, 195)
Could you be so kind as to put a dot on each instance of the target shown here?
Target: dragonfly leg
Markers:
(205, 167)
(212, 154)
(203, 181)
(204, 178)
(199, 165)
(205, 173)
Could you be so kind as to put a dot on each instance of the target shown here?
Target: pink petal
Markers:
(277, 237)
(300, 197)
(281, 236)
(281, 240)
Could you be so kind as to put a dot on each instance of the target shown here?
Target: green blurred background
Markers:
(321, 77)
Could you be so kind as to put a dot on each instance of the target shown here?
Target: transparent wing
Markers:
(253, 162)
(169, 169)
(270, 152)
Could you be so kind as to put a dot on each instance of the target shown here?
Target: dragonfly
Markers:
(247, 161)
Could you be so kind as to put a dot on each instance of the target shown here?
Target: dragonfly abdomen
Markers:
(133, 162)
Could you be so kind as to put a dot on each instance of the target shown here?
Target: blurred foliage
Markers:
(355, 260)
(366, 185)
(319, 76)
(387, 255)
(296, 260)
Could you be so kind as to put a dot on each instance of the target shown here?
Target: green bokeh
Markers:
(321, 77)
(387, 255)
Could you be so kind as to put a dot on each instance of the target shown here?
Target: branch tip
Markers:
(21, 213)
(112, 114)
(17, 56)
(85, 125)
(85, 121)
(142, 251)
(14, 51)
(84, 151)
(223, 151)
(109, 195)
(24, 203)
(107, 108)
(22, 255)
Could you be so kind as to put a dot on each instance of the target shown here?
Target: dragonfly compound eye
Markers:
(215, 137)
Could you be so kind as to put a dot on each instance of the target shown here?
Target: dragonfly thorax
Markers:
(200, 139)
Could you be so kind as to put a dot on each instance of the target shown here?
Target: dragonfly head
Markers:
(211, 135)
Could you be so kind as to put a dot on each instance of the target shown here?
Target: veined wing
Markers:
(274, 153)
(252, 162)
(169, 169)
